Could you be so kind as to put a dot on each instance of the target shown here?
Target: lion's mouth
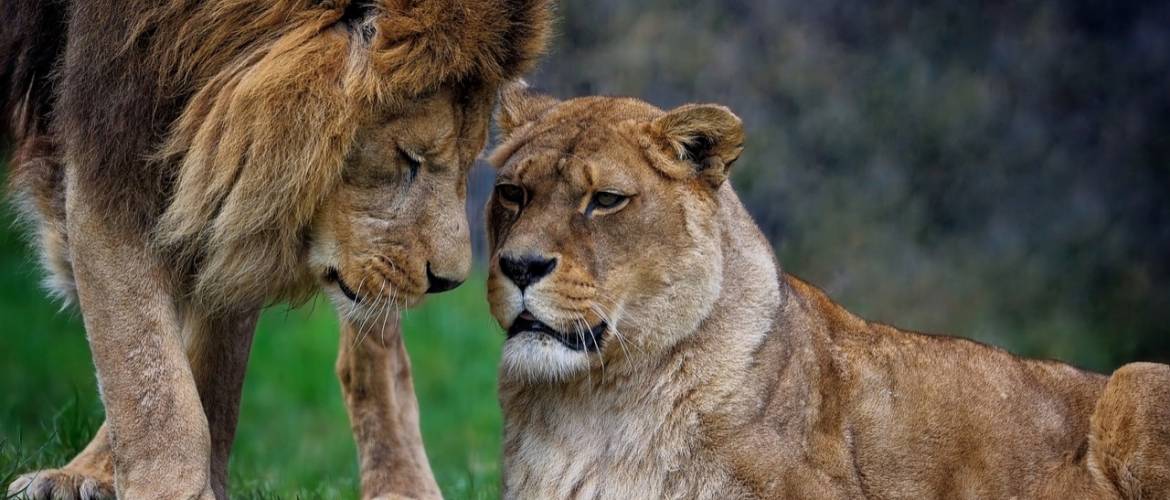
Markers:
(589, 341)
(333, 276)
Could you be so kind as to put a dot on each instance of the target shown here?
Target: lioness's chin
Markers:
(536, 357)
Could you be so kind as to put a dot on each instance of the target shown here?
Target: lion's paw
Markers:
(64, 484)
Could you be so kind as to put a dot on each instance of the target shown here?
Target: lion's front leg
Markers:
(374, 370)
(89, 476)
(217, 349)
(158, 432)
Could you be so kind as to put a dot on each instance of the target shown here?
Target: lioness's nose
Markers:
(524, 271)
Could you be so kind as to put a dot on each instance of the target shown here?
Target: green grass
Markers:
(294, 439)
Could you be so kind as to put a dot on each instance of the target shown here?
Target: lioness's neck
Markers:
(643, 418)
(744, 314)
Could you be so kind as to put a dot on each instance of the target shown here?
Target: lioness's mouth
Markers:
(333, 276)
(589, 341)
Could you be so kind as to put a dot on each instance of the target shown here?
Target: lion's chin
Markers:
(358, 301)
(535, 358)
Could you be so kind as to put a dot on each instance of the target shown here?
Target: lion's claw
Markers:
(63, 484)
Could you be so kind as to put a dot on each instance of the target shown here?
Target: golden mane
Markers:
(279, 92)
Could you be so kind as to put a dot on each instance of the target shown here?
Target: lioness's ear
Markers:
(519, 106)
(706, 138)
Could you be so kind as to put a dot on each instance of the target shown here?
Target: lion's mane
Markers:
(233, 118)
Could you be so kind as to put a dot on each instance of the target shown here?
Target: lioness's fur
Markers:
(183, 163)
(718, 376)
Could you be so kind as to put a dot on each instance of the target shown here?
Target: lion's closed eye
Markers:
(413, 162)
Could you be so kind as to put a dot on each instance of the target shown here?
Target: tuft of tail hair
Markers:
(32, 42)
(32, 39)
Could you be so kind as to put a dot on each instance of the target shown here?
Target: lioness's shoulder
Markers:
(849, 331)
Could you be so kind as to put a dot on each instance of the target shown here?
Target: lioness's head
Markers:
(330, 142)
(601, 228)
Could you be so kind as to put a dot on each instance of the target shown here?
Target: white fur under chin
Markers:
(324, 252)
(537, 358)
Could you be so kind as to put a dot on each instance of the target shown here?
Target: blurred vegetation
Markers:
(997, 170)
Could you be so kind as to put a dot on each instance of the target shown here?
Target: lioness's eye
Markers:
(607, 200)
(412, 161)
(510, 194)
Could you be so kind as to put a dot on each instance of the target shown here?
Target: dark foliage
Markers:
(997, 170)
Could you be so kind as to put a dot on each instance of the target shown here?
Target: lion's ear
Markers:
(705, 138)
(519, 105)
(421, 45)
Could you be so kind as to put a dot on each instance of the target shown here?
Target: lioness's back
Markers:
(917, 406)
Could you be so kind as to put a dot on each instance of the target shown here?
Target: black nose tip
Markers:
(525, 271)
(440, 285)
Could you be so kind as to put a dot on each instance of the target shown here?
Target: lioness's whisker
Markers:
(611, 320)
(597, 309)
(581, 325)
(588, 373)
(600, 355)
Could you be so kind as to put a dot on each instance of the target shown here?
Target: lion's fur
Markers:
(276, 111)
(265, 99)
(184, 162)
(723, 377)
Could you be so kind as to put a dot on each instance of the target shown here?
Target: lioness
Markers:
(656, 350)
(185, 163)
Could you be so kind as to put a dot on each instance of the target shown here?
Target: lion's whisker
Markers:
(380, 306)
(353, 303)
(385, 316)
(366, 313)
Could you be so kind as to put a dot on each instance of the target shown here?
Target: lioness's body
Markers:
(775, 391)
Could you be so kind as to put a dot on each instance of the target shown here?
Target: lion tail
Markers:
(31, 41)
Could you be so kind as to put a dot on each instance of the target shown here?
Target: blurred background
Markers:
(996, 170)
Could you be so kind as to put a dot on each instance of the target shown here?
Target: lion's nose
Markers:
(436, 284)
(525, 271)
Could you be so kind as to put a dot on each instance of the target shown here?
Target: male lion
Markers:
(185, 163)
(656, 350)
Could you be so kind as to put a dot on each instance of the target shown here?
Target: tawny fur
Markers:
(184, 163)
(721, 377)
